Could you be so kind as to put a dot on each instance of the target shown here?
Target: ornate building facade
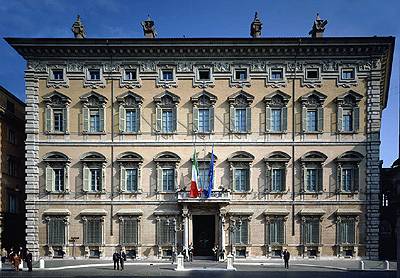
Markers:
(112, 125)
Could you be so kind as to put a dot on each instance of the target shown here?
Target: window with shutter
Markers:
(241, 232)
(50, 179)
(196, 118)
(276, 236)
(347, 231)
(311, 231)
(130, 231)
(49, 119)
(132, 180)
(122, 119)
(94, 231)
(166, 232)
(56, 231)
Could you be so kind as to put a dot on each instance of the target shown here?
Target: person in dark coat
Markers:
(286, 257)
(191, 250)
(122, 259)
(116, 260)
(28, 260)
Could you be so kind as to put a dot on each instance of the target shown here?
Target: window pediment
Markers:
(349, 98)
(313, 98)
(277, 157)
(130, 157)
(93, 99)
(204, 98)
(56, 157)
(56, 99)
(350, 156)
(314, 156)
(241, 156)
(167, 157)
(241, 98)
(166, 98)
(93, 157)
(206, 158)
(277, 98)
(130, 98)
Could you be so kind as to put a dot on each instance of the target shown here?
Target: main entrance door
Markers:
(203, 234)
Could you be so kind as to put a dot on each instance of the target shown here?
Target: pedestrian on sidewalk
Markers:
(16, 261)
(122, 259)
(286, 258)
(28, 260)
(3, 255)
(116, 260)
(215, 251)
(191, 249)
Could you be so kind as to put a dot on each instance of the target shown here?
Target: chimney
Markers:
(78, 29)
(318, 28)
(256, 26)
(148, 28)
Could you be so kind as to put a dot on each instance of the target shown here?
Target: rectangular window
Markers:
(241, 180)
(11, 136)
(204, 75)
(312, 180)
(167, 75)
(11, 171)
(348, 74)
(95, 180)
(241, 74)
(131, 180)
(94, 74)
(93, 231)
(12, 203)
(94, 120)
(166, 232)
(131, 120)
(312, 120)
(167, 121)
(241, 232)
(130, 231)
(277, 180)
(276, 119)
(58, 116)
(312, 74)
(56, 231)
(347, 120)
(168, 180)
(347, 180)
(57, 74)
(276, 231)
(204, 120)
(311, 232)
(276, 74)
(130, 75)
(204, 179)
(58, 180)
(347, 231)
(240, 120)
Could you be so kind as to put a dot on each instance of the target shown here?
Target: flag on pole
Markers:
(210, 175)
(194, 192)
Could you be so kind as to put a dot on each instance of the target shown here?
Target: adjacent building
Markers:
(112, 125)
(12, 175)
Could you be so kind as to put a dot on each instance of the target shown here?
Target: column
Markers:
(222, 233)
(185, 215)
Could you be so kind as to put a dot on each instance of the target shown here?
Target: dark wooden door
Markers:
(203, 234)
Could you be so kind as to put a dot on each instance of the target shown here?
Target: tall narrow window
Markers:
(240, 165)
(241, 180)
(166, 112)
(312, 120)
(312, 168)
(276, 167)
(312, 180)
(240, 112)
(167, 121)
(276, 120)
(59, 180)
(348, 172)
(96, 180)
(131, 120)
(203, 112)
(56, 113)
(168, 179)
(94, 230)
(129, 112)
(348, 112)
(204, 178)
(276, 112)
(93, 113)
(56, 172)
(241, 232)
(167, 172)
(130, 231)
(204, 120)
(347, 231)
(313, 112)
(311, 231)
(56, 231)
(131, 180)
(240, 120)
(278, 180)
(347, 123)
(93, 172)
(166, 228)
(276, 231)
(94, 120)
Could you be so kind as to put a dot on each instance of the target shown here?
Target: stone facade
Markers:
(94, 84)
(12, 175)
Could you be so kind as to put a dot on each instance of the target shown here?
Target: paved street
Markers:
(199, 269)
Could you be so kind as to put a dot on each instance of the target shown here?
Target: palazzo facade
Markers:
(112, 125)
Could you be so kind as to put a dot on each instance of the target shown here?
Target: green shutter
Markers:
(138, 115)
(284, 119)
(356, 184)
(248, 179)
(320, 119)
(284, 178)
(267, 119)
(85, 119)
(175, 118)
(122, 119)
(268, 179)
(50, 179)
(339, 178)
(304, 180)
(65, 119)
(320, 179)
(233, 179)
(158, 119)
(304, 118)
(315, 231)
(103, 179)
(122, 179)
(280, 231)
(66, 178)
(159, 187)
(195, 119)
(339, 119)
(211, 119)
(248, 119)
(356, 118)
(232, 119)
(49, 119)
(102, 119)
(86, 178)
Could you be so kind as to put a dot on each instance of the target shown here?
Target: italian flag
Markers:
(194, 192)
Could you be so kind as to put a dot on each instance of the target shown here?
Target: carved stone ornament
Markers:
(185, 67)
(37, 66)
(148, 66)
(369, 65)
(329, 65)
(291, 67)
(75, 66)
(257, 66)
(108, 67)
(222, 67)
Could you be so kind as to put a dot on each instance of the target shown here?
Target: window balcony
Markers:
(216, 197)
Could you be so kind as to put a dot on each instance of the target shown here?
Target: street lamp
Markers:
(234, 226)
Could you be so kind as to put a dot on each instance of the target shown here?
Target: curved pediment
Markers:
(350, 97)
(350, 156)
(204, 98)
(93, 157)
(277, 157)
(167, 157)
(277, 98)
(56, 157)
(129, 157)
(313, 156)
(313, 97)
(241, 156)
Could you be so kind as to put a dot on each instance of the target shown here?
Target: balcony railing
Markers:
(216, 197)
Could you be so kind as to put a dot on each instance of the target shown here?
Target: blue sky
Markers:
(206, 18)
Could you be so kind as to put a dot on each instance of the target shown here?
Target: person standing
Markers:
(122, 259)
(16, 261)
(28, 260)
(215, 251)
(3, 255)
(286, 257)
(191, 249)
(116, 260)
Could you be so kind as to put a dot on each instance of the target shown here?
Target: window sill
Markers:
(94, 133)
(166, 192)
(58, 192)
(347, 192)
(56, 133)
(130, 133)
(276, 132)
(240, 132)
(312, 192)
(167, 133)
(277, 192)
(131, 192)
(203, 132)
(95, 193)
(242, 192)
(313, 132)
(347, 132)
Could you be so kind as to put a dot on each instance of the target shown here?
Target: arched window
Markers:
(240, 112)
(166, 112)
(240, 165)
(312, 169)
(203, 112)
(57, 172)
(167, 173)
(93, 113)
(312, 112)
(276, 112)
(129, 112)
(94, 172)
